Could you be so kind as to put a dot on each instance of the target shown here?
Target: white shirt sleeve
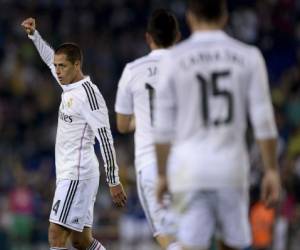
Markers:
(96, 115)
(124, 99)
(165, 103)
(260, 105)
(45, 51)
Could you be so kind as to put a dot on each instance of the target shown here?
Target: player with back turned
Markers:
(82, 116)
(135, 96)
(210, 83)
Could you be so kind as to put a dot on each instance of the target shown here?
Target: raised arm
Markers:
(44, 49)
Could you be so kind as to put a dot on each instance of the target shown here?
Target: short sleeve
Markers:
(124, 99)
(260, 105)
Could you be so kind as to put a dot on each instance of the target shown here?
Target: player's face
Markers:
(66, 71)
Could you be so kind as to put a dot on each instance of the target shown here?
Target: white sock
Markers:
(174, 246)
(58, 248)
(96, 245)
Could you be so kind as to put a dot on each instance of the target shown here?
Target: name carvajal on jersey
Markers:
(211, 57)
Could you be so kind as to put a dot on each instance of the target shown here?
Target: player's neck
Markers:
(153, 46)
(206, 26)
(202, 25)
(78, 77)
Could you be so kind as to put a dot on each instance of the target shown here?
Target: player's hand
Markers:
(29, 25)
(271, 188)
(162, 188)
(118, 195)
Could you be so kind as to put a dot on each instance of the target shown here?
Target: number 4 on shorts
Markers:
(56, 206)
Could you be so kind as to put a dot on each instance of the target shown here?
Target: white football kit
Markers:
(82, 116)
(135, 95)
(209, 84)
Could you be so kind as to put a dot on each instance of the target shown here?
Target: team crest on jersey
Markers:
(70, 102)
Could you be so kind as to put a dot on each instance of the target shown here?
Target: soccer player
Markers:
(134, 105)
(82, 117)
(208, 85)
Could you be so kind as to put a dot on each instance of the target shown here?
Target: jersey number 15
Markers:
(205, 92)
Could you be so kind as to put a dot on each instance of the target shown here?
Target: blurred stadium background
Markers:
(111, 33)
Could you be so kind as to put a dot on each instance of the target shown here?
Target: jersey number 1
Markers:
(216, 92)
(151, 98)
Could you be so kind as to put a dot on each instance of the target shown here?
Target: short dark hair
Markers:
(71, 50)
(209, 10)
(163, 27)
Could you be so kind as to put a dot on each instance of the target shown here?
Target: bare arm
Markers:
(268, 152)
(271, 186)
(162, 154)
(125, 123)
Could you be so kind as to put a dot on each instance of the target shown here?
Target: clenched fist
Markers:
(29, 25)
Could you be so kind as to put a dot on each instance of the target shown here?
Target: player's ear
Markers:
(190, 18)
(224, 19)
(77, 64)
(178, 37)
(148, 38)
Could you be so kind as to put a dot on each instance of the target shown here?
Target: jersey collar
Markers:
(157, 52)
(74, 85)
(209, 35)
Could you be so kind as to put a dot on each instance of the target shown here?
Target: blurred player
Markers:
(82, 117)
(135, 100)
(209, 84)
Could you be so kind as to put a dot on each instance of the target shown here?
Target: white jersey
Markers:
(135, 95)
(82, 116)
(208, 86)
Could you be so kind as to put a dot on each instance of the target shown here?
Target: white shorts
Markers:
(203, 213)
(160, 218)
(73, 203)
